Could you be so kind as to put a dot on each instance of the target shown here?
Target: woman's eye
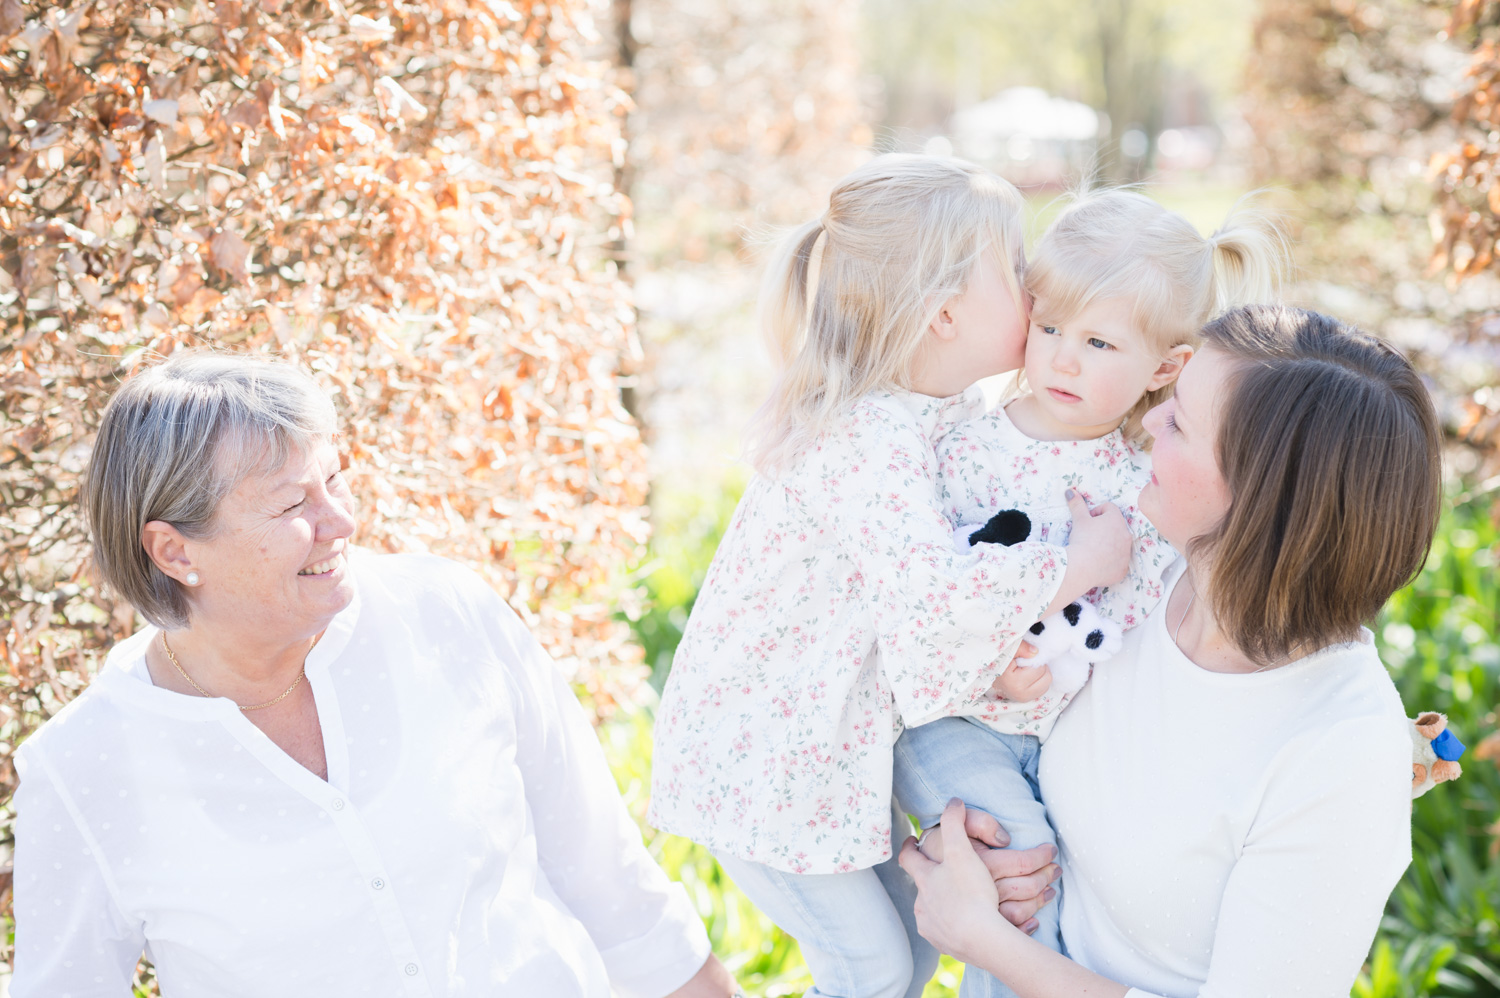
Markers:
(294, 507)
(1171, 422)
(1098, 344)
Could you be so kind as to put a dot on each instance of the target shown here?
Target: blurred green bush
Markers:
(1441, 933)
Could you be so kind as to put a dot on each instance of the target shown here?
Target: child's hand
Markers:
(1020, 684)
(1098, 550)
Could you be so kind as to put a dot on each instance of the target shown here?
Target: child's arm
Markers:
(947, 622)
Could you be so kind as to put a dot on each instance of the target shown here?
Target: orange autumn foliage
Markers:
(411, 198)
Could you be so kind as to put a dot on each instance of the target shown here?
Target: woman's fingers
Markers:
(952, 822)
(985, 828)
(1020, 862)
(913, 862)
(1021, 913)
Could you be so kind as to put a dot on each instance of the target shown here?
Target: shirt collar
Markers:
(936, 416)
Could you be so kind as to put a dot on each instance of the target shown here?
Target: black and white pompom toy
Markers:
(1070, 642)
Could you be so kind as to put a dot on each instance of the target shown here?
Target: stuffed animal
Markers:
(1434, 753)
(1070, 642)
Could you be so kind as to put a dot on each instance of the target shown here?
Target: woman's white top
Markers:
(1229, 835)
(469, 839)
(987, 465)
(836, 607)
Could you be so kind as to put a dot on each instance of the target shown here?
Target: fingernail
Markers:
(1068, 495)
(1048, 894)
(1057, 873)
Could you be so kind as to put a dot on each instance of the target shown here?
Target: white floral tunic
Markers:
(836, 607)
(986, 465)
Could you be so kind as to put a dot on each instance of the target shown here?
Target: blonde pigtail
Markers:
(1250, 254)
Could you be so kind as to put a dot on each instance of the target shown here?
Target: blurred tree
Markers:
(746, 112)
(1120, 56)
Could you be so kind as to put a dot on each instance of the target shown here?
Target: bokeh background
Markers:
(520, 244)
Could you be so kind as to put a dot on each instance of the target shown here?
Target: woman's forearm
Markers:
(1034, 971)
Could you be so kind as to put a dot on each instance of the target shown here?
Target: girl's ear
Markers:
(1171, 367)
(942, 324)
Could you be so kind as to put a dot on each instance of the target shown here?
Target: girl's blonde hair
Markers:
(1118, 243)
(848, 296)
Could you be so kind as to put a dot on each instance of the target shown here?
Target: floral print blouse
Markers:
(837, 608)
(987, 464)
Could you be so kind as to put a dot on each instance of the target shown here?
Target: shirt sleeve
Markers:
(644, 926)
(1129, 601)
(1332, 838)
(947, 621)
(71, 936)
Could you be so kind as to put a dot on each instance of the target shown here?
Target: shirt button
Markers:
(411, 970)
(338, 803)
(377, 883)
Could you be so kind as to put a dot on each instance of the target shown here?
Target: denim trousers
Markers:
(994, 772)
(857, 931)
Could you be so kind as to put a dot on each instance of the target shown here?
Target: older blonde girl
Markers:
(836, 608)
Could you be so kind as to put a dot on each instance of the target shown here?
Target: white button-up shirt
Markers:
(469, 839)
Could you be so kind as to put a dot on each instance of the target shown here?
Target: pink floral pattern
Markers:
(836, 609)
(987, 464)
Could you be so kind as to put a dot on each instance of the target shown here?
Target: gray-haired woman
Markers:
(320, 771)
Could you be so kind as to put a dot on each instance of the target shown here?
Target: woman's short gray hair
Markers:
(174, 441)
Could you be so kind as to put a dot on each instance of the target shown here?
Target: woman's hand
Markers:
(1098, 550)
(1022, 876)
(957, 905)
(713, 980)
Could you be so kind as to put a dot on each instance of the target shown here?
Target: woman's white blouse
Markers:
(469, 839)
(836, 608)
(1229, 836)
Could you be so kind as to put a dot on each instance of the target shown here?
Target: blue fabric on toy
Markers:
(1447, 746)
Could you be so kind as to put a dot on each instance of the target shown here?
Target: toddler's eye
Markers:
(1049, 330)
(1099, 344)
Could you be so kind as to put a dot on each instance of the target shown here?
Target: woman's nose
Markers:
(337, 520)
(1151, 422)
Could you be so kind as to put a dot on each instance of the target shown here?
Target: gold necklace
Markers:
(301, 674)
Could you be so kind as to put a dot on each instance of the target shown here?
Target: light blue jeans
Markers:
(955, 757)
(856, 930)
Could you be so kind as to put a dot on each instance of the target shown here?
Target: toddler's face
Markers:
(1089, 371)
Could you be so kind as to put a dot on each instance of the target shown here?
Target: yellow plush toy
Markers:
(1434, 752)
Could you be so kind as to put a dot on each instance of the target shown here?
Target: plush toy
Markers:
(1071, 641)
(1434, 753)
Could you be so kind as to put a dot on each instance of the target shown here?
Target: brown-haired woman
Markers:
(1231, 791)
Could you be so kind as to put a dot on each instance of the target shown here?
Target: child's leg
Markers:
(954, 757)
(903, 891)
(845, 924)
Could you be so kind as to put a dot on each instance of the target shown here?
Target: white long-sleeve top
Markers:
(986, 465)
(836, 607)
(1229, 836)
(469, 839)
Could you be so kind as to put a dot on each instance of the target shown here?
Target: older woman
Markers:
(1247, 740)
(320, 771)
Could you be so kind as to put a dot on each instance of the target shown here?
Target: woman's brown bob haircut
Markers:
(1330, 447)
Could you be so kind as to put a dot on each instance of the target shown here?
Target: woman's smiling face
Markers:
(277, 555)
(1187, 496)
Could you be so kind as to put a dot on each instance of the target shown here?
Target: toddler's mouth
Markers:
(1063, 396)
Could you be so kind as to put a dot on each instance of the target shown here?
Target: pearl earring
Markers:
(192, 578)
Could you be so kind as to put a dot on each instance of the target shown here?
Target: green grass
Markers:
(1441, 933)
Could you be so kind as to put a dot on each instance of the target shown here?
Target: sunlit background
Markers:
(1343, 112)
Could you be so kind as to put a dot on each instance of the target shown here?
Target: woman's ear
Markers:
(1171, 367)
(167, 549)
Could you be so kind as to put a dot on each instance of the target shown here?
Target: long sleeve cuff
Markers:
(665, 957)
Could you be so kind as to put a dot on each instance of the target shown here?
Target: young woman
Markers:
(1231, 794)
